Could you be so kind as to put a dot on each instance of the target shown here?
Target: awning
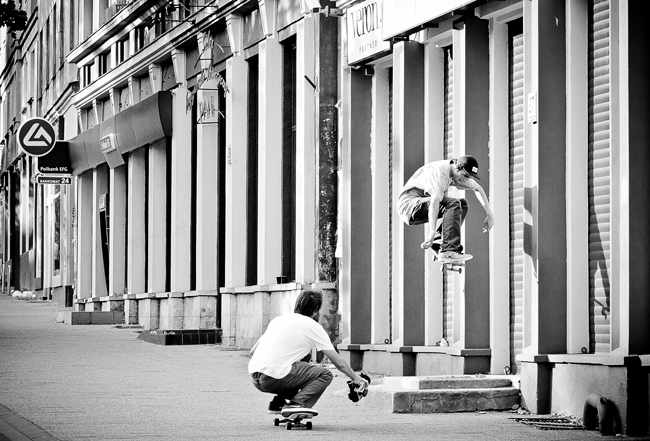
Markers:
(134, 127)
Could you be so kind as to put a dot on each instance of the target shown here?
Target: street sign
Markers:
(56, 162)
(36, 137)
(52, 179)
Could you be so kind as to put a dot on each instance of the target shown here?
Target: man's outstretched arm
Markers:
(343, 366)
(483, 199)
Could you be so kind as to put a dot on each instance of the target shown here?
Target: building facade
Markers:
(550, 97)
(37, 221)
(227, 154)
(201, 139)
(204, 163)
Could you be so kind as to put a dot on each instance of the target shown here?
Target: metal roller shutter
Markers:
(390, 201)
(447, 278)
(516, 134)
(599, 178)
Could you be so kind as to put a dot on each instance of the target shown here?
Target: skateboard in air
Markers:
(456, 265)
(294, 418)
(453, 265)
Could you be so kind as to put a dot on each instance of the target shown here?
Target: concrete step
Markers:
(442, 394)
(70, 317)
(447, 382)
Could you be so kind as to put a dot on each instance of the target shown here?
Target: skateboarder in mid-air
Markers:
(276, 364)
(424, 199)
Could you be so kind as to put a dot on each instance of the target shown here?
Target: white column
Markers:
(459, 110)
(344, 208)
(306, 140)
(136, 240)
(85, 219)
(100, 186)
(207, 197)
(157, 217)
(270, 162)
(181, 191)
(236, 143)
(117, 222)
(434, 127)
(399, 179)
(499, 198)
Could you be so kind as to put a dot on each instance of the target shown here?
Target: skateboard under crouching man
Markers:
(294, 417)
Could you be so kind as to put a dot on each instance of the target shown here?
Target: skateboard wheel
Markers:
(276, 422)
(289, 426)
(308, 425)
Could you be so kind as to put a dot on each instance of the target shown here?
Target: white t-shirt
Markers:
(288, 338)
(434, 178)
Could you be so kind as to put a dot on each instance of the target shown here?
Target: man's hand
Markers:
(362, 386)
(488, 223)
(358, 387)
(427, 243)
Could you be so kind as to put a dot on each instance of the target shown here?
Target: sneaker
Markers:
(292, 408)
(276, 404)
(447, 256)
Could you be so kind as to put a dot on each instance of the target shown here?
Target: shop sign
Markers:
(208, 72)
(57, 161)
(402, 16)
(36, 137)
(365, 31)
(54, 180)
(208, 107)
(107, 143)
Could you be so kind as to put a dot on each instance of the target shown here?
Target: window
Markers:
(122, 48)
(86, 75)
(252, 172)
(140, 37)
(289, 159)
(104, 63)
(56, 231)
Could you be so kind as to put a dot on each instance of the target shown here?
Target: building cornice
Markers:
(120, 24)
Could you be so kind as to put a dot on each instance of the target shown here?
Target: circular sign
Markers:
(36, 137)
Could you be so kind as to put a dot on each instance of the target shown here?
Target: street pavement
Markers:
(61, 382)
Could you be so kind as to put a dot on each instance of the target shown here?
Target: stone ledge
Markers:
(586, 359)
(182, 337)
(447, 382)
(278, 287)
(91, 317)
(442, 400)
(418, 349)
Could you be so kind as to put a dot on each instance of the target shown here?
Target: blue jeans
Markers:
(303, 385)
(453, 212)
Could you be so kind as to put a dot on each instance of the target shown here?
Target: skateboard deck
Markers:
(454, 265)
(295, 419)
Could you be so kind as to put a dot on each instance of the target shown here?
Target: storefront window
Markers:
(56, 233)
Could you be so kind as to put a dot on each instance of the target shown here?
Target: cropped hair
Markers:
(308, 302)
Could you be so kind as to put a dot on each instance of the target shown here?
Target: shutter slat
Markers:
(517, 125)
(599, 171)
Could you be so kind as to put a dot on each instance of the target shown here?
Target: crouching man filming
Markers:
(276, 365)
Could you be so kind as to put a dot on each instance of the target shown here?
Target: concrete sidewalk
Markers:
(101, 383)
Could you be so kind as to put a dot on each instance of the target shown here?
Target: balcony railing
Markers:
(114, 7)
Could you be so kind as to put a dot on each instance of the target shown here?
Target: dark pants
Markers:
(453, 212)
(303, 385)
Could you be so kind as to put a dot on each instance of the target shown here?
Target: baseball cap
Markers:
(470, 165)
